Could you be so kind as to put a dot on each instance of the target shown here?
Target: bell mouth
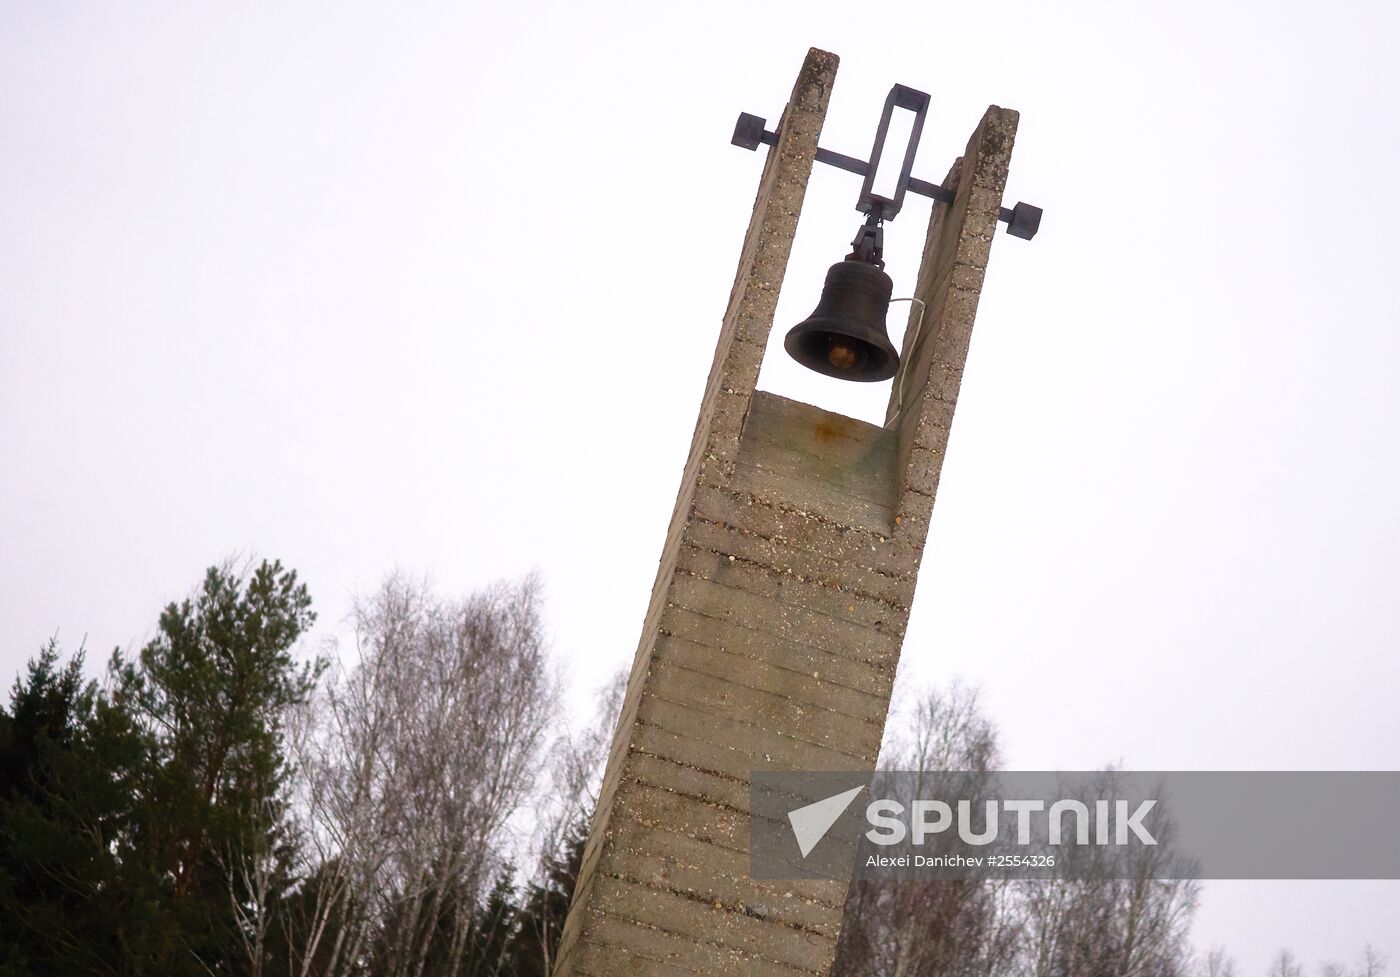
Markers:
(837, 355)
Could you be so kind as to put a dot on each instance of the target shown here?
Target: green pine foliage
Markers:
(210, 694)
(69, 764)
(130, 814)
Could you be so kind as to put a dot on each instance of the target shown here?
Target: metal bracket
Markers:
(750, 132)
(869, 243)
(870, 202)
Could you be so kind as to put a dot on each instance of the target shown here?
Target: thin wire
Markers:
(913, 341)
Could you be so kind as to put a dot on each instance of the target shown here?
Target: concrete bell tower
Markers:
(781, 600)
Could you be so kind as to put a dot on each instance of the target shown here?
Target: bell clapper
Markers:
(841, 354)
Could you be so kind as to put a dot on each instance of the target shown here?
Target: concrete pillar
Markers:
(780, 604)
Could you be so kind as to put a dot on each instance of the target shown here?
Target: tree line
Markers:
(411, 806)
(217, 805)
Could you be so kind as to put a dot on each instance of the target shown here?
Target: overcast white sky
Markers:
(436, 287)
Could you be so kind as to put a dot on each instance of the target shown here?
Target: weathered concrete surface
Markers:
(780, 603)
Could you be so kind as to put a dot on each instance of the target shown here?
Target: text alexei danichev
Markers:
(924, 861)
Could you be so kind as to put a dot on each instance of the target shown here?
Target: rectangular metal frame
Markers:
(904, 97)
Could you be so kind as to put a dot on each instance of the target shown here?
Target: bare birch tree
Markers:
(255, 875)
(576, 775)
(934, 928)
(1373, 962)
(1285, 965)
(1116, 919)
(416, 760)
(1117, 912)
(1217, 963)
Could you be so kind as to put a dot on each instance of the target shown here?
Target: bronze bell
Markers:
(845, 337)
